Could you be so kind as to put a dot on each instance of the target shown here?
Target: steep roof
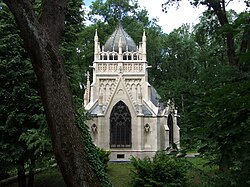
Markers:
(113, 42)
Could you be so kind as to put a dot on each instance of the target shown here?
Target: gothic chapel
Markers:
(127, 118)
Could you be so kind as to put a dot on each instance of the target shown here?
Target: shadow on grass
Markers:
(119, 175)
(48, 178)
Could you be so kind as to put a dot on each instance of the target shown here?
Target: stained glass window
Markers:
(120, 126)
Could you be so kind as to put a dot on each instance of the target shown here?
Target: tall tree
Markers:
(21, 108)
(41, 36)
(70, 44)
(216, 117)
(218, 8)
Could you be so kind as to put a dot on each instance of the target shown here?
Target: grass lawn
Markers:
(50, 178)
(200, 174)
(119, 174)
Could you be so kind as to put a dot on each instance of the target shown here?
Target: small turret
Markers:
(144, 56)
(97, 47)
(87, 90)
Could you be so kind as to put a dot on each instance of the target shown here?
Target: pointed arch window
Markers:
(120, 126)
(171, 129)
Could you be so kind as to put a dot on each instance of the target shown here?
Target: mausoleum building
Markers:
(126, 116)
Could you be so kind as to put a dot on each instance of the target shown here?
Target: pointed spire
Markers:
(120, 49)
(100, 103)
(87, 75)
(87, 90)
(96, 36)
(120, 42)
(144, 36)
(96, 46)
(144, 46)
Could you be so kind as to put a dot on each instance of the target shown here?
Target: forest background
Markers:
(203, 69)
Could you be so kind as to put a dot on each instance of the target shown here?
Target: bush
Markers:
(104, 156)
(162, 170)
(4, 176)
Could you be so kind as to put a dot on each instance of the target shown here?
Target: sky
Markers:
(186, 13)
(174, 18)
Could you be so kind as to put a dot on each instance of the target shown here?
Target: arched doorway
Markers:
(171, 130)
(120, 126)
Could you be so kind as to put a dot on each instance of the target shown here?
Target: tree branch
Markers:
(24, 16)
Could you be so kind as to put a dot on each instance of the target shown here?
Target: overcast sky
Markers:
(175, 18)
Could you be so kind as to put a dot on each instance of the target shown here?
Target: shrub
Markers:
(4, 176)
(104, 156)
(161, 170)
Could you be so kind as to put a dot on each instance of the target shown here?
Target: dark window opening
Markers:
(120, 126)
(171, 130)
(120, 156)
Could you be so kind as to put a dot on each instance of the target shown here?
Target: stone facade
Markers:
(127, 118)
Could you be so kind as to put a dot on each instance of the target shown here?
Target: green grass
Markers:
(199, 175)
(50, 178)
(119, 175)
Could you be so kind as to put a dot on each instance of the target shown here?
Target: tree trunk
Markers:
(245, 41)
(224, 160)
(31, 172)
(220, 11)
(41, 39)
(21, 178)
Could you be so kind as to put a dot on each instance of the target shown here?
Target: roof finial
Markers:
(96, 36)
(144, 36)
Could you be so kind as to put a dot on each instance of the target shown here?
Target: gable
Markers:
(121, 93)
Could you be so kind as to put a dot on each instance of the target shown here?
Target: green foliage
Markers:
(104, 156)
(162, 170)
(24, 134)
(69, 46)
(224, 114)
(21, 107)
(91, 152)
(37, 140)
(241, 29)
(112, 11)
(212, 96)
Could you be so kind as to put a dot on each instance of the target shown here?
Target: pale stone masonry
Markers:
(127, 118)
